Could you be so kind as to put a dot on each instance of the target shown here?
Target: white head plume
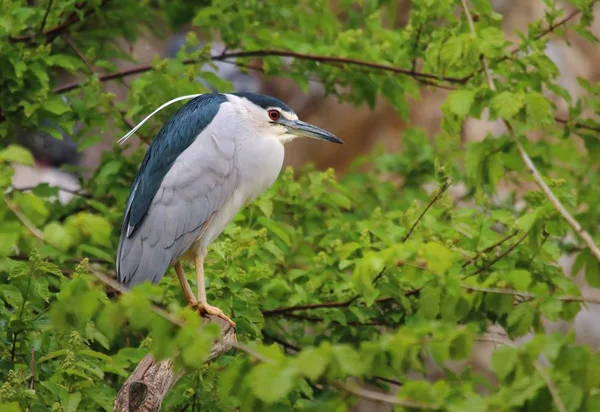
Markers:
(140, 124)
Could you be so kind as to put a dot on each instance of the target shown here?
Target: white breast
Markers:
(259, 161)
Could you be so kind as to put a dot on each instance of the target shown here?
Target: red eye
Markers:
(274, 114)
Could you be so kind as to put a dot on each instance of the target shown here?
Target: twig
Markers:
(382, 397)
(416, 47)
(43, 24)
(585, 236)
(322, 305)
(560, 23)
(32, 383)
(577, 125)
(26, 222)
(528, 295)
(498, 258)
(489, 248)
(440, 192)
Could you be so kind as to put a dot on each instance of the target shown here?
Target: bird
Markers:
(212, 157)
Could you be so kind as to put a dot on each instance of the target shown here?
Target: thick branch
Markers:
(149, 383)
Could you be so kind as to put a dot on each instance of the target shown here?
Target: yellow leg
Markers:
(203, 306)
(200, 278)
(187, 290)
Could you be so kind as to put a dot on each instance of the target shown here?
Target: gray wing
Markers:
(200, 181)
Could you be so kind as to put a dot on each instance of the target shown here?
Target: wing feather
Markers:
(197, 185)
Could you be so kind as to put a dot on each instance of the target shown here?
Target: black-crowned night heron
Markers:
(213, 156)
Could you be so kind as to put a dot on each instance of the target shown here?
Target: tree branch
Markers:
(585, 236)
(273, 53)
(150, 382)
(440, 192)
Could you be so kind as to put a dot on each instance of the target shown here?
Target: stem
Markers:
(46, 16)
(440, 192)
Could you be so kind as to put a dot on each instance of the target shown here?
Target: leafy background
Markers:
(431, 277)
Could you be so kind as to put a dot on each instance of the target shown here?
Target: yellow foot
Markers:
(213, 310)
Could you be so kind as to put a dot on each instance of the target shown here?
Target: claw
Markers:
(213, 310)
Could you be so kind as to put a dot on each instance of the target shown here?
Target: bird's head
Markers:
(278, 119)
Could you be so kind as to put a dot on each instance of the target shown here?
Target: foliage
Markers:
(368, 276)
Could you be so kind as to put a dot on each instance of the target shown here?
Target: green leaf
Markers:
(278, 228)
(439, 257)
(459, 102)
(17, 154)
(56, 105)
(56, 235)
(519, 279)
(348, 360)
(520, 320)
(270, 383)
(12, 295)
(495, 166)
(503, 361)
(429, 302)
(538, 108)
(71, 401)
(311, 363)
(507, 104)
(592, 271)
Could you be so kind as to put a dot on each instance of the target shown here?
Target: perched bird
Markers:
(216, 154)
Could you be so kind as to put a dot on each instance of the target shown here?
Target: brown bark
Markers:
(150, 382)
